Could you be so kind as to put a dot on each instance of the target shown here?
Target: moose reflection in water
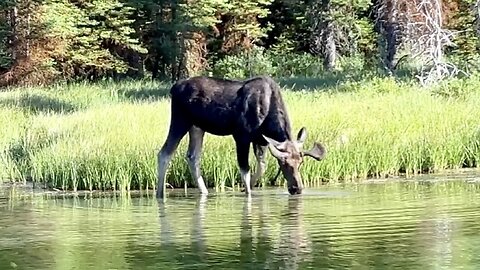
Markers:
(252, 111)
(294, 246)
(260, 246)
(285, 251)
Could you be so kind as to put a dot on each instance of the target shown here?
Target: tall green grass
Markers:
(106, 136)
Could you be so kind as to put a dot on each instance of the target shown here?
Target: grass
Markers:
(106, 135)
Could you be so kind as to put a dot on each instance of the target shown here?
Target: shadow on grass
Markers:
(332, 80)
(327, 81)
(35, 104)
(145, 93)
(324, 81)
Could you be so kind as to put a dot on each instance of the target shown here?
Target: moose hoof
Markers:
(294, 191)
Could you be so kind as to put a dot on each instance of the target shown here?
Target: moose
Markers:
(251, 110)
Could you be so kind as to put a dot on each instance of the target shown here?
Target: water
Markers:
(408, 225)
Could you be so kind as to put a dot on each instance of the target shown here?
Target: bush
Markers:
(243, 65)
(281, 62)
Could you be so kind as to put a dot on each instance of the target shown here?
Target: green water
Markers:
(420, 225)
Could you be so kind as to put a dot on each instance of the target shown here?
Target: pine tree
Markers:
(103, 31)
(239, 26)
(6, 59)
(335, 27)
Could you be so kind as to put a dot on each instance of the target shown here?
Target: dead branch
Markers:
(428, 39)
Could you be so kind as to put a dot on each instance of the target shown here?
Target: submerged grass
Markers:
(106, 136)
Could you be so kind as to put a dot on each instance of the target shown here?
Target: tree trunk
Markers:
(14, 36)
(27, 38)
(391, 38)
(323, 33)
(387, 17)
(477, 21)
(155, 66)
(391, 34)
(330, 50)
(194, 53)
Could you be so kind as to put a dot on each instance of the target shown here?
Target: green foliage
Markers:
(78, 38)
(246, 13)
(244, 64)
(104, 24)
(350, 29)
(281, 61)
(458, 88)
(5, 34)
(202, 14)
(466, 39)
(74, 39)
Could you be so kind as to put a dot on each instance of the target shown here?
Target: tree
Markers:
(198, 20)
(323, 32)
(425, 38)
(335, 28)
(239, 27)
(7, 16)
(464, 20)
(387, 23)
(22, 44)
(104, 34)
(175, 35)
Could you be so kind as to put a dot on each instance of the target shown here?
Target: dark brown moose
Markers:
(252, 111)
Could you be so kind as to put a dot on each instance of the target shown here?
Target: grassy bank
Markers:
(106, 135)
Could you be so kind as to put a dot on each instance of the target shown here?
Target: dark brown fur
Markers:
(252, 111)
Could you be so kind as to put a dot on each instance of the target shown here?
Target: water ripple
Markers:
(379, 226)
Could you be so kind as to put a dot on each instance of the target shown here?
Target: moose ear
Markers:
(301, 136)
(276, 148)
(274, 142)
(317, 152)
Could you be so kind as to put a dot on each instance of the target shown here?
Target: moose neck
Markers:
(279, 127)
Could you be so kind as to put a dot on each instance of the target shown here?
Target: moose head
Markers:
(289, 155)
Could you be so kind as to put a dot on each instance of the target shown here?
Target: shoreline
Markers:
(467, 175)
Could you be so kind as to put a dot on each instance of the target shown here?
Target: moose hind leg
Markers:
(259, 151)
(194, 153)
(243, 149)
(176, 132)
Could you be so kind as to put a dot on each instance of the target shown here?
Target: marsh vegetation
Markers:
(106, 135)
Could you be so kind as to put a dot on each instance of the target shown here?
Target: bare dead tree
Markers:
(420, 23)
(416, 26)
(432, 42)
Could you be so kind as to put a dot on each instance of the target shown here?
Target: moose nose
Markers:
(294, 190)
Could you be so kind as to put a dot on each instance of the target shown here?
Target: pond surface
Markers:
(408, 225)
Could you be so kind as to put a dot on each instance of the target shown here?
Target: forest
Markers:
(47, 41)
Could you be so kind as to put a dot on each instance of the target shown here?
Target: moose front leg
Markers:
(259, 151)
(243, 149)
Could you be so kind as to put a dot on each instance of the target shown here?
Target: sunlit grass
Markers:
(106, 136)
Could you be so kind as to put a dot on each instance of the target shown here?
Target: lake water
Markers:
(407, 225)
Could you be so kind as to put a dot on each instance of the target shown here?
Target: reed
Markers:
(106, 136)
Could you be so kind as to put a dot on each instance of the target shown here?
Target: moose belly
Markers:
(217, 121)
